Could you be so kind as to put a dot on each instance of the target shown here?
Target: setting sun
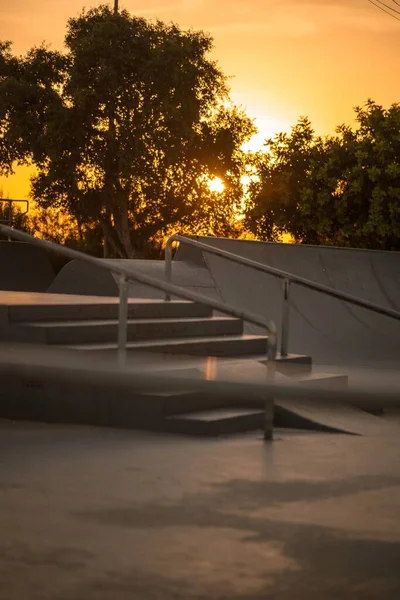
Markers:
(267, 128)
(216, 185)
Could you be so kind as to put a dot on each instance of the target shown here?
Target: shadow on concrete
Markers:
(331, 562)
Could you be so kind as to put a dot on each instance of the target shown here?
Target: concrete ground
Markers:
(98, 514)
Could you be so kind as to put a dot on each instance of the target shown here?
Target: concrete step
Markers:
(73, 309)
(292, 365)
(192, 401)
(229, 345)
(91, 331)
(323, 380)
(52, 402)
(215, 422)
(41, 398)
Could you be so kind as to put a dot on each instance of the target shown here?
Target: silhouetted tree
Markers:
(125, 129)
(340, 190)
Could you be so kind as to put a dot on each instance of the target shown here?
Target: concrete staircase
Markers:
(157, 329)
(175, 327)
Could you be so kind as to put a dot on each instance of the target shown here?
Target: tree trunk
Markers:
(117, 201)
(113, 243)
(105, 246)
(121, 219)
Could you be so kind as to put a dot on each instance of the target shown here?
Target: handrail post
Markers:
(10, 216)
(122, 319)
(272, 341)
(271, 370)
(168, 266)
(285, 318)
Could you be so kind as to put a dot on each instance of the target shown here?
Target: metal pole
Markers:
(271, 370)
(269, 411)
(122, 319)
(285, 318)
(10, 216)
(271, 342)
(115, 7)
(168, 267)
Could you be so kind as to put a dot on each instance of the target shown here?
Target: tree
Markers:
(125, 128)
(275, 195)
(62, 228)
(340, 190)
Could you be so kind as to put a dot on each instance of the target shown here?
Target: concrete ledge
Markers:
(24, 267)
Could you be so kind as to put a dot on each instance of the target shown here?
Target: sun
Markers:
(267, 128)
(216, 185)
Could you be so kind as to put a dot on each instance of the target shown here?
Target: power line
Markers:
(384, 10)
(389, 7)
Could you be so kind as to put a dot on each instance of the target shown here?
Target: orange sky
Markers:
(286, 57)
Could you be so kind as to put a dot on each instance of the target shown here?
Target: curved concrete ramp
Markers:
(340, 418)
(24, 268)
(80, 278)
(308, 414)
(330, 330)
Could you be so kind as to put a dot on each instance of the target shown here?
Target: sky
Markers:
(285, 58)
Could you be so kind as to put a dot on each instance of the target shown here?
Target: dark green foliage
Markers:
(341, 190)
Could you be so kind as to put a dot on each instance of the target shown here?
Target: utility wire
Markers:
(384, 10)
(389, 7)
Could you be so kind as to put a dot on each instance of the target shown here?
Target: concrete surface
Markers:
(305, 413)
(55, 385)
(24, 267)
(329, 330)
(80, 278)
(98, 515)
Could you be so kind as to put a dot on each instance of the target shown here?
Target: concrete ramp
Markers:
(330, 330)
(24, 268)
(339, 418)
(309, 414)
(80, 278)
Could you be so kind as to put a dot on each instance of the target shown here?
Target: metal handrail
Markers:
(10, 202)
(59, 364)
(126, 274)
(288, 278)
